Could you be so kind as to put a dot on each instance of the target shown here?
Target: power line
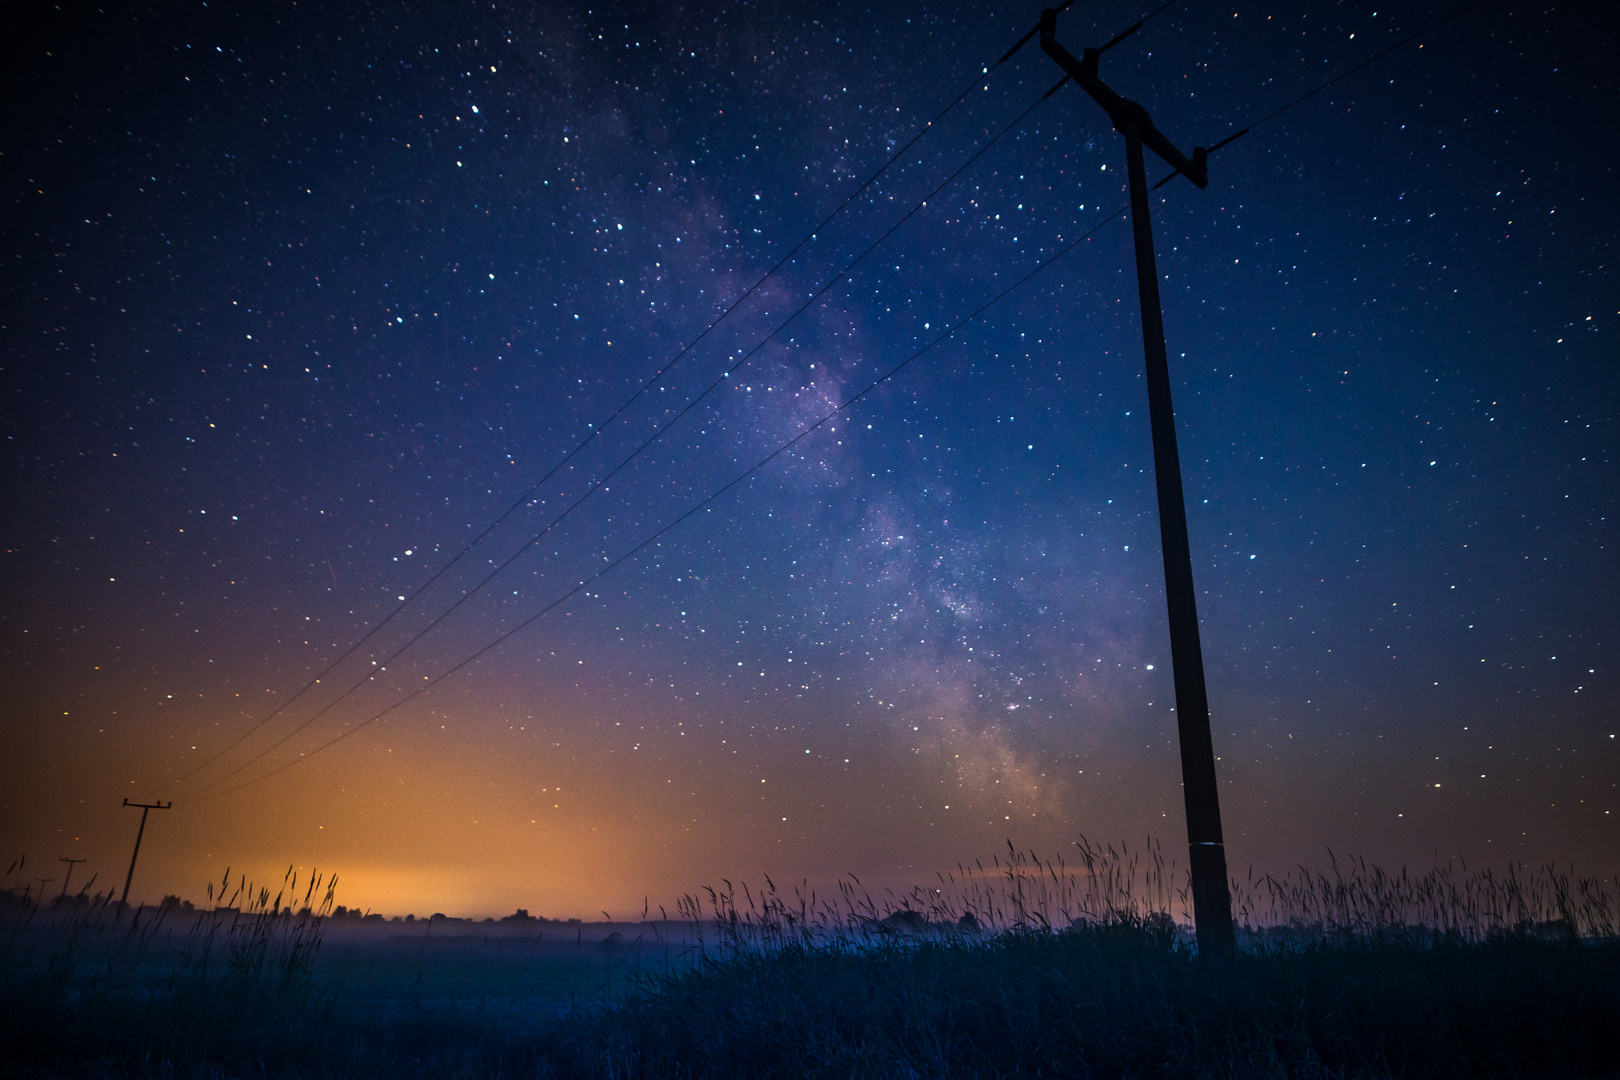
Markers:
(1345, 74)
(739, 478)
(814, 297)
(1061, 8)
(1374, 57)
(599, 428)
(602, 481)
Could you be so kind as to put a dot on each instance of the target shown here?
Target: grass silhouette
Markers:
(1025, 967)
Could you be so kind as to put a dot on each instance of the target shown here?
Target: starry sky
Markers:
(300, 300)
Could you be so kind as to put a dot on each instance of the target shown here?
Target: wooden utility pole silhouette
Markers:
(1212, 898)
(145, 808)
(71, 864)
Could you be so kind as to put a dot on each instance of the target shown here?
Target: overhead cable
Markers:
(1346, 73)
(428, 684)
(603, 480)
(599, 428)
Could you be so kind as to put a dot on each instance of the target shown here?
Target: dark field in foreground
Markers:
(1508, 977)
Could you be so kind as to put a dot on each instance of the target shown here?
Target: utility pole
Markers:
(1212, 898)
(145, 808)
(71, 864)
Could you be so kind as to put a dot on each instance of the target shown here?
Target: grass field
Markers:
(1022, 968)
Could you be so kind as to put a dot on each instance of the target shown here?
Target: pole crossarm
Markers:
(1124, 112)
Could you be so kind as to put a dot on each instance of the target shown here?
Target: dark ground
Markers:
(1114, 1001)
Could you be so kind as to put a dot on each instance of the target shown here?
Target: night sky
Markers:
(299, 299)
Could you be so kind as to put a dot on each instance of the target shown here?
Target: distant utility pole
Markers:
(145, 808)
(1212, 898)
(71, 864)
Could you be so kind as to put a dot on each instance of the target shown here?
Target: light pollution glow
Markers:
(261, 389)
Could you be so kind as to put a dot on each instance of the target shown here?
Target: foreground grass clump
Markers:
(1103, 1001)
(91, 986)
(1123, 1000)
(1024, 968)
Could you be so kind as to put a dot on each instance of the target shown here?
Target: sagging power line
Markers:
(428, 684)
(602, 481)
(739, 478)
(597, 429)
(1340, 77)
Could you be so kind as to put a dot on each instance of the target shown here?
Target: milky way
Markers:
(298, 303)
